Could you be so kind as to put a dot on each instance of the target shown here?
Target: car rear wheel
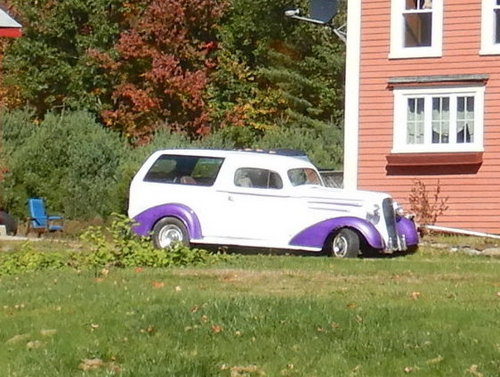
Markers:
(345, 244)
(168, 231)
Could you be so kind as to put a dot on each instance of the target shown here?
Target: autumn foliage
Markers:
(160, 67)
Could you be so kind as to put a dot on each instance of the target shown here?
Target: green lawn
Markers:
(429, 314)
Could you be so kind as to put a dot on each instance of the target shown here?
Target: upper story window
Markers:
(490, 27)
(438, 120)
(416, 28)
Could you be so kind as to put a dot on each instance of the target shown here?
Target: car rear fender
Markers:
(148, 218)
(316, 235)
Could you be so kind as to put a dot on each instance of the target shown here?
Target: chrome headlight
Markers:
(398, 210)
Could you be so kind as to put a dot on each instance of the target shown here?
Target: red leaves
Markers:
(161, 66)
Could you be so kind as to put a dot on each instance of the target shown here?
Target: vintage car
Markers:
(260, 199)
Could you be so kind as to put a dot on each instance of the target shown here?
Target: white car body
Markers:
(224, 211)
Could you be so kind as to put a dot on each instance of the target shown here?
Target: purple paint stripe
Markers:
(316, 235)
(147, 219)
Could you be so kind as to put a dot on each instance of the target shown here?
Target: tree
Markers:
(160, 67)
(277, 73)
(49, 67)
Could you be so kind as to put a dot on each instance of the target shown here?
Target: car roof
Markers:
(280, 156)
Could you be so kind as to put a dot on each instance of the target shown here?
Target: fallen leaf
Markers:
(178, 289)
(204, 319)
(351, 306)
(91, 364)
(48, 332)
(94, 364)
(415, 295)
(150, 330)
(158, 284)
(216, 329)
(473, 370)
(241, 371)
(17, 338)
(408, 369)
(436, 360)
(138, 269)
(34, 344)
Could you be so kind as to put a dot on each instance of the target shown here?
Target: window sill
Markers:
(490, 51)
(415, 53)
(434, 159)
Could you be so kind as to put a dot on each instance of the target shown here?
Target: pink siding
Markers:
(473, 195)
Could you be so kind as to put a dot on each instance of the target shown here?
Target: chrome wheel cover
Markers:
(169, 234)
(340, 245)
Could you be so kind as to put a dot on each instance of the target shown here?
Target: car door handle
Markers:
(230, 198)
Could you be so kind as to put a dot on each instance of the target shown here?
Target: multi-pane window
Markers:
(439, 121)
(416, 28)
(417, 17)
(490, 27)
(415, 121)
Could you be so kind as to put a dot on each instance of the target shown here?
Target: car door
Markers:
(255, 207)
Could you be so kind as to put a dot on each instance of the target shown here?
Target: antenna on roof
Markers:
(322, 13)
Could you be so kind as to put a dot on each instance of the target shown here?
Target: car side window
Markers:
(185, 170)
(303, 176)
(257, 178)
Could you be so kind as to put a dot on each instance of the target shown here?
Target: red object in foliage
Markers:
(8, 26)
(10, 32)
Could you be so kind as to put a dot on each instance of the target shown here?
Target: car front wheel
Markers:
(168, 231)
(344, 244)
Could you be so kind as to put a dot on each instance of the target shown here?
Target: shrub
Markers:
(426, 204)
(118, 246)
(322, 144)
(69, 159)
(113, 246)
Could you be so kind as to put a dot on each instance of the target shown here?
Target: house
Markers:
(423, 104)
(8, 26)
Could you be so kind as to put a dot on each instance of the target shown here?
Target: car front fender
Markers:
(315, 236)
(407, 227)
(146, 220)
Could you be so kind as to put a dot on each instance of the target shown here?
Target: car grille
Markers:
(394, 242)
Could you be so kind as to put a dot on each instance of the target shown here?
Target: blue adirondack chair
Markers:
(39, 221)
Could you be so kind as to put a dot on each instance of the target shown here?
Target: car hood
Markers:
(329, 195)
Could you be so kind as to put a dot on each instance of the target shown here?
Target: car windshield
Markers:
(304, 176)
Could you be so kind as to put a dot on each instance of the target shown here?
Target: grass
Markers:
(429, 314)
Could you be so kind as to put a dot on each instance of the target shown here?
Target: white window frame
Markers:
(398, 51)
(401, 96)
(488, 45)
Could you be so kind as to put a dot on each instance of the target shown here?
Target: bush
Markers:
(113, 246)
(322, 145)
(69, 159)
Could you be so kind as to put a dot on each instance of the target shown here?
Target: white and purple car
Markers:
(263, 200)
